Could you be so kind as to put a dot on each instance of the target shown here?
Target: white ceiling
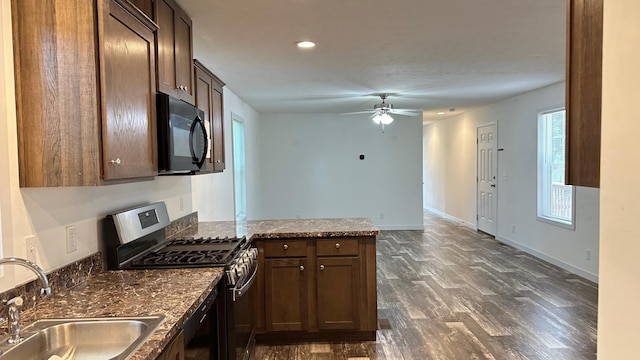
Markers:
(432, 54)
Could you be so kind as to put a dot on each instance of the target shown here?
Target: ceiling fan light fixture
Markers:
(386, 119)
(377, 119)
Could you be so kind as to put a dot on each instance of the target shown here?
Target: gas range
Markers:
(136, 239)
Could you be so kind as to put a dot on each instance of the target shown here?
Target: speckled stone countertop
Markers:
(165, 291)
(134, 293)
(279, 229)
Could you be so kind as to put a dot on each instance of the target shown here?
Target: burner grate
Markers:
(206, 241)
(183, 257)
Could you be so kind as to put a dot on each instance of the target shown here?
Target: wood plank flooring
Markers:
(453, 293)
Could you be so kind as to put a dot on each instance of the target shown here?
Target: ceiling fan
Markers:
(380, 114)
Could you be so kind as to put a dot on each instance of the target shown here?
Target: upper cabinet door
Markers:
(203, 102)
(584, 91)
(175, 51)
(129, 133)
(86, 105)
(209, 99)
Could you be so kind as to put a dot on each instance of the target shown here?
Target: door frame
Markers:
(478, 126)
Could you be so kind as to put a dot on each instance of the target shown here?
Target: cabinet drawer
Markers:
(337, 246)
(285, 248)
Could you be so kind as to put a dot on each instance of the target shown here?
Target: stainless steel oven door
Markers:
(244, 322)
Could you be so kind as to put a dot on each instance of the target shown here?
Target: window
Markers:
(555, 199)
(239, 176)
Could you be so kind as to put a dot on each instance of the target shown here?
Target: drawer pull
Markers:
(301, 268)
(337, 245)
(285, 246)
(321, 267)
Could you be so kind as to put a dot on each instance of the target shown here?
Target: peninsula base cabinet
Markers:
(316, 289)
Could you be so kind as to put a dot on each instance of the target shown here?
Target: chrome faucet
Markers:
(46, 289)
(16, 303)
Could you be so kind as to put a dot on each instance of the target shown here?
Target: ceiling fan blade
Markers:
(359, 112)
(406, 113)
(408, 110)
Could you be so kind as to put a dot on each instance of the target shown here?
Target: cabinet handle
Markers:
(116, 161)
(301, 268)
(186, 89)
(285, 246)
(321, 267)
(337, 245)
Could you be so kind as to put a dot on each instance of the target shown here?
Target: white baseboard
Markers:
(400, 227)
(550, 259)
(452, 218)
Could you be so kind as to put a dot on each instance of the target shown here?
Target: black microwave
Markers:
(182, 136)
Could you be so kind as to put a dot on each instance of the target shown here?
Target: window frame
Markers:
(239, 175)
(541, 164)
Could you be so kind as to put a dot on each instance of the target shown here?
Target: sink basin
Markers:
(83, 338)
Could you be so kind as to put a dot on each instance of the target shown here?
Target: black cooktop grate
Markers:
(192, 252)
(206, 241)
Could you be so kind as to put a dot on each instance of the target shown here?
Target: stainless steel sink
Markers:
(83, 338)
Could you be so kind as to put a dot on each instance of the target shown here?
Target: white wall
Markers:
(450, 173)
(311, 169)
(619, 290)
(45, 213)
(213, 193)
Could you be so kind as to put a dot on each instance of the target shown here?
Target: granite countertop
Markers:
(134, 293)
(165, 291)
(279, 229)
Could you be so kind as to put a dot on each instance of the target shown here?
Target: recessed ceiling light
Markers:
(306, 44)
(441, 113)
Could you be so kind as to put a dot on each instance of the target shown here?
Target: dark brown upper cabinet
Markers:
(583, 91)
(85, 92)
(146, 6)
(209, 99)
(175, 51)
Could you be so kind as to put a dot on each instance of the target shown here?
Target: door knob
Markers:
(285, 246)
(321, 267)
(301, 268)
(337, 245)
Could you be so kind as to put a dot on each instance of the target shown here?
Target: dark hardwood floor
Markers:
(453, 293)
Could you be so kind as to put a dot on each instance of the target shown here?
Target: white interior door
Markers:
(487, 173)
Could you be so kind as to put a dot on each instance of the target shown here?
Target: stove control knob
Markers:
(231, 277)
(240, 271)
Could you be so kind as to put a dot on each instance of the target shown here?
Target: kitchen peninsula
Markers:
(316, 277)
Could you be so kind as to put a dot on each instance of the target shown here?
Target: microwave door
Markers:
(198, 144)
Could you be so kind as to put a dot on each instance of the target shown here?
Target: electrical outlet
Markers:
(72, 244)
(513, 229)
(589, 254)
(381, 216)
(32, 249)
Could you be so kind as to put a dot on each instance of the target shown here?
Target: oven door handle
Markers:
(237, 293)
